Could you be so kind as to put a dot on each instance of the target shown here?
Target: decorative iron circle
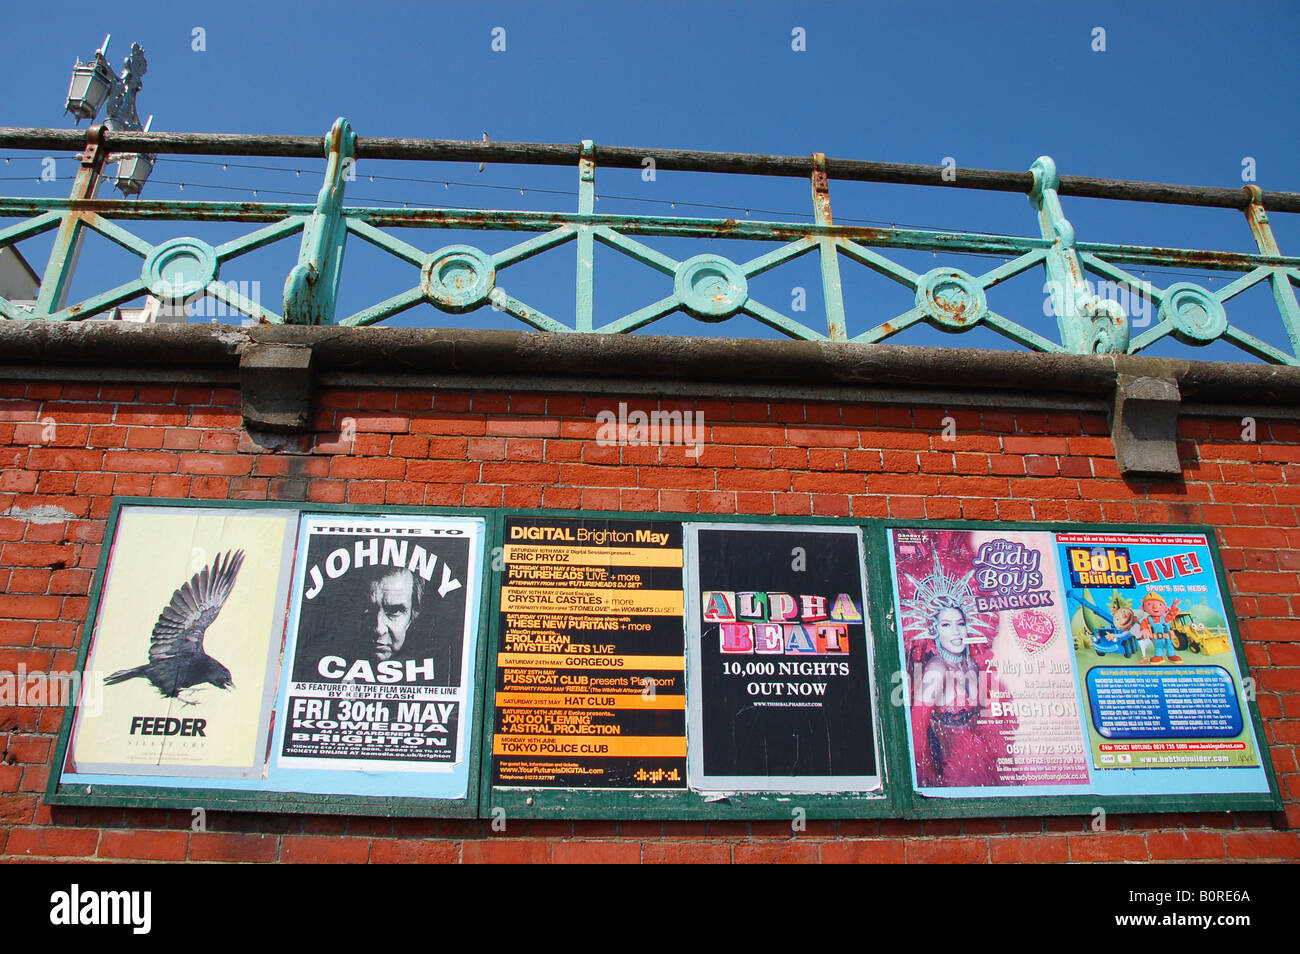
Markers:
(710, 287)
(457, 278)
(951, 298)
(1197, 316)
(1110, 329)
(179, 270)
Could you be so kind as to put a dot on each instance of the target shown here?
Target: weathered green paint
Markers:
(1283, 293)
(312, 287)
(832, 287)
(1085, 323)
(586, 241)
(67, 243)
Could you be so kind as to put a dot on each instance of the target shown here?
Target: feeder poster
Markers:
(1047, 663)
(590, 664)
(779, 670)
(181, 671)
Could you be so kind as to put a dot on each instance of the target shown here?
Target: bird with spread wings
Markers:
(176, 658)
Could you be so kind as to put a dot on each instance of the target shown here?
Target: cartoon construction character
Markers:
(1158, 626)
(1126, 622)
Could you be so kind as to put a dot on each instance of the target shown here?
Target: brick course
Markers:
(66, 449)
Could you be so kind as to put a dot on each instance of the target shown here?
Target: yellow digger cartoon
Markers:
(1199, 638)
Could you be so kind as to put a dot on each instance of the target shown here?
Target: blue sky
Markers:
(1183, 93)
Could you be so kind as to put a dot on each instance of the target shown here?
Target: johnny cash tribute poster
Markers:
(179, 680)
(779, 660)
(382, 642)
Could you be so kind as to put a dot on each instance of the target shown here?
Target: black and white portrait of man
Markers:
(382, 610)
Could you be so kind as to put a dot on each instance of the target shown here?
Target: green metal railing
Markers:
(710, 288)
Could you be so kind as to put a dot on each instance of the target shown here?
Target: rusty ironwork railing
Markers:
(711, 288)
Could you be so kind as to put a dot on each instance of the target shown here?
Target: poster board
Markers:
(339, 647)
(377, 684)
(182, 662)
(650, 588)
(590, 677)
(568, 664)
(1049, 667)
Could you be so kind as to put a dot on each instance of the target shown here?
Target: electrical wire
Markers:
(447, 183)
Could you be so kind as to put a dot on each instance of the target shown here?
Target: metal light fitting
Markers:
(91, 84)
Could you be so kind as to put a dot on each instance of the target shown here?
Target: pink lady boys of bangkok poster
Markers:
(988, 681)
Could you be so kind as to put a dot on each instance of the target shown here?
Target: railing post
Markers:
(67, 243)
(311, 290)
(832, 287)
(1088, 325)
(586, 239)
(1283, 293)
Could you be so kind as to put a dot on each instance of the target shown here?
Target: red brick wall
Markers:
(67, 449)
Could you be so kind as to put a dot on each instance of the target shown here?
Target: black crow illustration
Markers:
(176, 657)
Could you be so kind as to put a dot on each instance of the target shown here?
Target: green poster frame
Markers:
(897, 799)
(217, 799)
(578, 803)
(921, 807)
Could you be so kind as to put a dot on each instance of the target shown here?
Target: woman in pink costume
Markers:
(953, 745)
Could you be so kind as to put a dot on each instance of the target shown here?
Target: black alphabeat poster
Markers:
(779, 668)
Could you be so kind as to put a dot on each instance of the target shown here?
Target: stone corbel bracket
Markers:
(1144, 426)
(276, 386)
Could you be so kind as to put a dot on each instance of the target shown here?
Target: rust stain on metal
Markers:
(821, 190)
(865, 234)
(1257, 219)
(1208, 259)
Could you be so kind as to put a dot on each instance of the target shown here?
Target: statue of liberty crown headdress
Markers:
(938, 591)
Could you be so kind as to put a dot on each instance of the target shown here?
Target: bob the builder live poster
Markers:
(1156, 658)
